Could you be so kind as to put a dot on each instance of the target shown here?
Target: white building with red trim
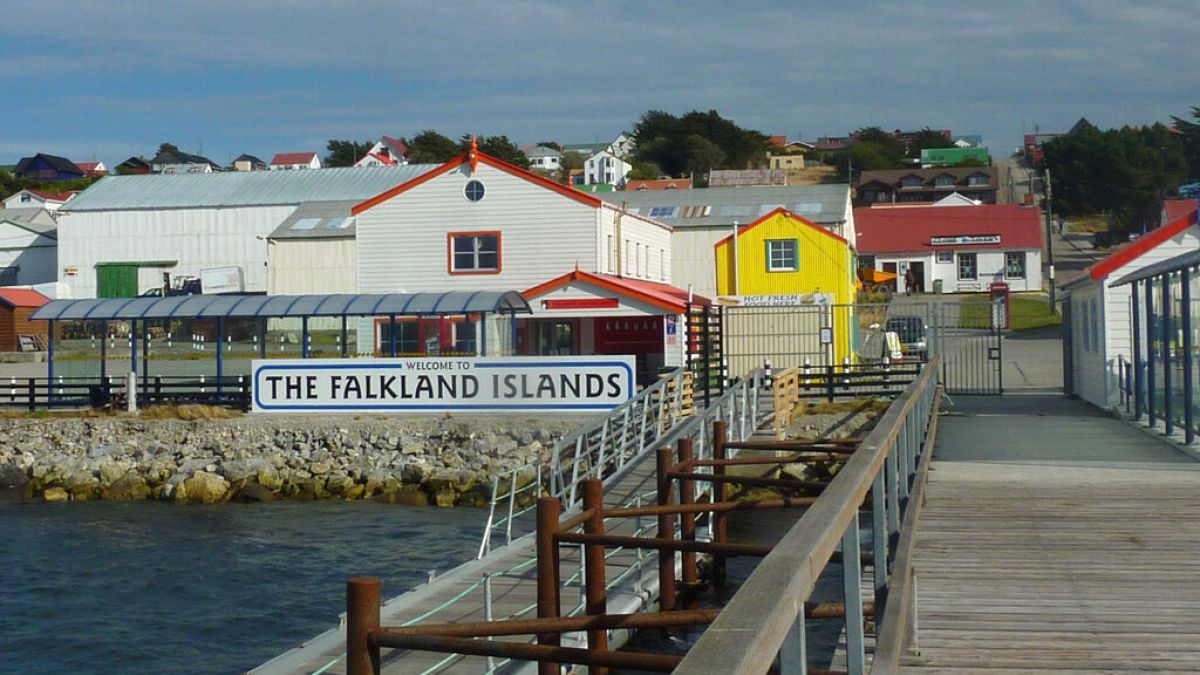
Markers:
(597, 275)
(294, 161)
(961, 249)
(1099, 314)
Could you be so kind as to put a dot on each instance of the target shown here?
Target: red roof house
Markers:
(911, 230)
(295, 160)
(16, 306)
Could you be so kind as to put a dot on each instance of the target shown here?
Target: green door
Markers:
(116, 281)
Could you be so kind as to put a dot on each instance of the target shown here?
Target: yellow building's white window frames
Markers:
(783, 255)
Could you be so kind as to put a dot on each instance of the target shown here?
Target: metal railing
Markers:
(38, 393)
(595, 450)
(766, 617)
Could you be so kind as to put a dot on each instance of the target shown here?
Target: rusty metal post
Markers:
(687, 524)
(595, 577)
(362, 618)
(720, 494)
(666, 530)
(548, 510)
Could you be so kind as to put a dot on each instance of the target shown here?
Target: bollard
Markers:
(666, 530)
(595, 576)
(548, 600)
(131, 392)
(362, 618)
(687, 523)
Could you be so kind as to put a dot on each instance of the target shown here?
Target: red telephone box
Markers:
(998, 290)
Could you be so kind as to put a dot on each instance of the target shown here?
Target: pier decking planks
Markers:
(1059, 568)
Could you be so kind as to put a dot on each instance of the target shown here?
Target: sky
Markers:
(103, 80)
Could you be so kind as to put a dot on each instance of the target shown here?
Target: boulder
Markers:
(55, 494)
(253, 492)
(339, 484)
(14, 483)
(205, 488)
(129, 487)
(447, 497)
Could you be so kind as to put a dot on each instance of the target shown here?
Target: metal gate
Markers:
(705, 355)
(968, 335)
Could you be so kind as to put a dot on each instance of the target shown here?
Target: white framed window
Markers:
(968, 267)
(911, 182)
(978, 179)
(944, 181)
(1014, 265)
(945, 257)
(474, 252)
(783, 255)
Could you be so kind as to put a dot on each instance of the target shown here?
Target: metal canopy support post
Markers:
(146, 354)
(133, 346)
(482, 349)
(345, 335)
(49, 370)
(1189, 391)
(1137, 354)
(1166, 339)
(104, 353)
(1150, 351)
(304, 337)
(220, 358)
(392, 334)
(262, 337)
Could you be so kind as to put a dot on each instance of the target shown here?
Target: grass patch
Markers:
(188, 412)
(1089, 224)
(1028, 312)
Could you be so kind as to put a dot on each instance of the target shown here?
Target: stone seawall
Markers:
(442, 461)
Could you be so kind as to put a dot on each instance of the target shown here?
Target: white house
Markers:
(127, 230)
(699, 218)
(544, 159)
(1100, 313)
(599, 275)
(387, 151)
(606, 168)
(37, 199)
(294, 161)
(959, 249)
(28, 248)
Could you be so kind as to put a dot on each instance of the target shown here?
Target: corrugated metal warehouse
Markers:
(118, 237)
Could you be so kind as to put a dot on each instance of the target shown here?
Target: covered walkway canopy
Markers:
(282, 306)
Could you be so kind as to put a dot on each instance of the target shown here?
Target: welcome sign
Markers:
(483, 384)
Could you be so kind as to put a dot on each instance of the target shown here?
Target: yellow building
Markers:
(800, 270)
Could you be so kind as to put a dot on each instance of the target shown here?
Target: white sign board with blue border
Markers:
(569, 384)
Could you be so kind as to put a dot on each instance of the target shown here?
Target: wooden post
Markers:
(720, 494)
(362, 618)
(595, 577)
(687, 524)
(666, 530)
(548, 510)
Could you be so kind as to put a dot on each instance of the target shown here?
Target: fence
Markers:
(41, 393)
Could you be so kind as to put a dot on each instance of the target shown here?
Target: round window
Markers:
(473, 191)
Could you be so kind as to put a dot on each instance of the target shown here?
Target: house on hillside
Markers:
(784, 260)
(177, 161)
(295, 161)
(953, 249)
(1097, 310)
(134, 166)
(29, 252)
(605, 168)
(596, 276)
(92, 169)
(387, 151)
(37, 199)
(699, 218)
(545, 159)
(910, 186)
(118, 237)
(43, 167)
(249, 163)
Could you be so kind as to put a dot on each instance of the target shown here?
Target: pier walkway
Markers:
(1055, 539)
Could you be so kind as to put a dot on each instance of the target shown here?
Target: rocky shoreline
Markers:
(418, 461)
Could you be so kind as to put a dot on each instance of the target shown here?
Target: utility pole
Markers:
(1049, 240)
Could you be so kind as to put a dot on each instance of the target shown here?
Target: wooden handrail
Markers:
(749, 632)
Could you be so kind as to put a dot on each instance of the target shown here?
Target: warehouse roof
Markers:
(823, 204)
(240, 188)
(253, 306)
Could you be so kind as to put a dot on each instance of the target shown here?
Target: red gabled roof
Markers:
(1178, 208)
(787, 214)
(383, 158)
(22, 297)
(659, 184)
(663, 296)
(292, 158)
(777, 141)
(483, 158)
(910, 230)
(1127, 253)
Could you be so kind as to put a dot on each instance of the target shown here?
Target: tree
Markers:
(497, 146)
(168, 147)
(430, 147)
(571, 160)
(1189, 134)
(670, 142)
(346, 153)
(640, 170)
(927, 139)
(551, 144)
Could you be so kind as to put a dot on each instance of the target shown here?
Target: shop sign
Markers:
(964, 239)
(786, 300)
(441, 385)
(582, 303)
